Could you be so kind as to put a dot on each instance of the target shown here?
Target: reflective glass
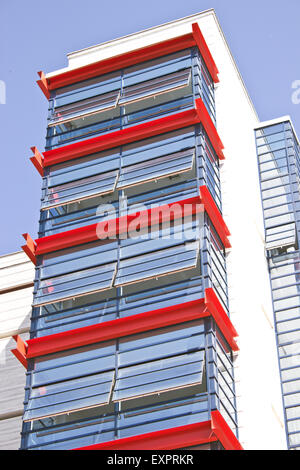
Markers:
(156, 376)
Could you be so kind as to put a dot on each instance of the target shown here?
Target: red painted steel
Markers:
(223, 432)
(43, 84)
(175, 314)
(113, 227)
(160, 49)
(29, 248)
(205, 52)
(121, 137)
(215, 215)
(223, 321)
(21, 350)
(116, 328)
(189, 435)
(190, 117)
(37, 160)
(210, 128)
(167, 439)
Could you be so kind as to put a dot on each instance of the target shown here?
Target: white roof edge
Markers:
(271, 122)
(143, 31)
(235, 64)
(278, 120)
(124, 39)
(13, 253)
(147, 31)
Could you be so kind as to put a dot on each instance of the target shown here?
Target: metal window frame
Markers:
(56, 121)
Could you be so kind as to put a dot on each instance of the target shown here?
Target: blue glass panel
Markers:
(85, 107)
(75, 363)
(157, 68)
(156, 168)
(161, 343)
(157, 264)
(85, 167)
(88, 89)
(78, 258)
(159, 375)
(155, 86)
(78, 283)
(63, 397)
(94, 185)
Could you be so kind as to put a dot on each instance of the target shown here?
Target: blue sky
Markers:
(263, 35)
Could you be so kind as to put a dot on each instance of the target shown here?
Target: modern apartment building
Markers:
(152, 321)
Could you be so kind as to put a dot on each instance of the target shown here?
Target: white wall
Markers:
(258, 385)
(16, 271)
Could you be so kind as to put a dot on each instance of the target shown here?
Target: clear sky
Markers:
(264, 37)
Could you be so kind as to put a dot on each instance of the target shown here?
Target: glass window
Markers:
(75, 284)
(157, 263)
(162, 343)
(87, 88)
(78, 258)
(83, 127)
(270, 130)
(158, 146)
(158, 376)
(101, 184)
(67, 396)
(161, 360)
(156, 168)
(294, 426)
(291, 387)
(154, 107)
(155, 86)
(157, 68)
(74, 313)
(85, 107)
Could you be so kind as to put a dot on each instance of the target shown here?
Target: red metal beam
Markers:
(189, 435)
(114, 227)
(205, 52)
(190, 117)
(167, 439)
(37, 160)
(43, 84)
(29, 248)
(202, 308)
(223, 432)
(121, 137)
(210, 128)
(223, 321)
(160, 49)
(21, 351)
(20, 357)
(215, 215)
(116, 328)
